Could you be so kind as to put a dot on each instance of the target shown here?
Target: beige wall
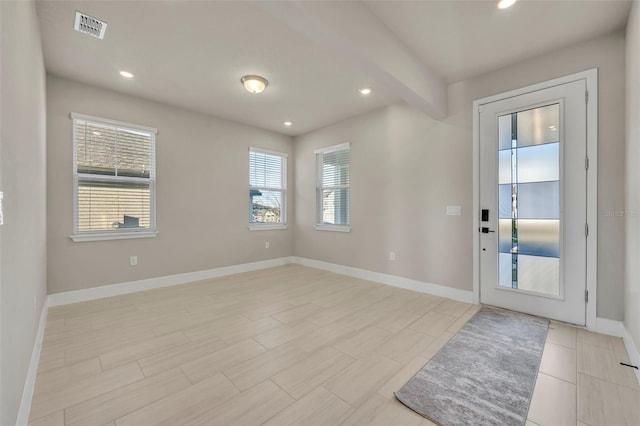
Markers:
(632, 278)
(23, 247)
(202, 198)
(403, 166)
(407, 167)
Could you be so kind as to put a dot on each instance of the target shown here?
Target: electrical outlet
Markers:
(133, 260)
(392, 255)
(266, 244)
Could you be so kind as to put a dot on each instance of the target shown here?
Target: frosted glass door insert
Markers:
(529, 200)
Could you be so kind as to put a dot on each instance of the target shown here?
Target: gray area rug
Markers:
(484, 375)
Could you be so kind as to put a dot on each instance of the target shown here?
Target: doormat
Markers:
(484, 375)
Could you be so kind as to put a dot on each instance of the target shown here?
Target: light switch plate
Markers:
(454, 210)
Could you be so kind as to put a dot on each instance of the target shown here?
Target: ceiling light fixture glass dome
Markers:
(503, 4)
(254, 83)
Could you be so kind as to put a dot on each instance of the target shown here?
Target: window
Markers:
(332, 188)
(267, 189)
(114, 179)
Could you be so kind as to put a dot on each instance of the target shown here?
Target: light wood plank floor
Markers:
(289, 346)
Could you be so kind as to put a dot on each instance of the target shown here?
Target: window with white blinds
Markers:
(267, 189)
(114, 177)
(333, 187)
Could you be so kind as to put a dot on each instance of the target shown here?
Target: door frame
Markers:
(591, 98)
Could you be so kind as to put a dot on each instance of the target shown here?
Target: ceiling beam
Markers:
(352, 32)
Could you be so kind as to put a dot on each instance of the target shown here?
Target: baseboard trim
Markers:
(392, 280)
(632, 350)
(67, 297)
(610, 327)
(618, 329)
(32, 372)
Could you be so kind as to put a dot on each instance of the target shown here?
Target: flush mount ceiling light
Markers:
(503, 4)
(288, 123)
(365, 91)
(126, 74)
(254, 83)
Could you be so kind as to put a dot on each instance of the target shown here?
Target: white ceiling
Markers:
(461, 39)
(193, 53)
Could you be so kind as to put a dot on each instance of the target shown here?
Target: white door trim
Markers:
(591, 79)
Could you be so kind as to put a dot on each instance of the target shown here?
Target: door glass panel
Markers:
(540, 200)
(507, 275)
(539, 237)
(529, 200)
(505, 235)
(539, 274)
(504, 132)
(539, 163)
(504, 166)
(506, 201)
(539, 125)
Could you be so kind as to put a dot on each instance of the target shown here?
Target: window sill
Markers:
(334, 228)
(81, 238)
(267, 227)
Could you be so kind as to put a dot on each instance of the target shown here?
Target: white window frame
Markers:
(283, 208)
(124, 233)
(319, 188)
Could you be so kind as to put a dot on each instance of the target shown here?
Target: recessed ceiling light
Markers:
(288, 123)
(365, 91)
(254, 83)
(126, 74)
(503, 4)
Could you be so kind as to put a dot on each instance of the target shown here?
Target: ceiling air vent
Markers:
(90, 25)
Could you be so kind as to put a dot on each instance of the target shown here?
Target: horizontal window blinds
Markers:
(333, 188)
(267, 177)
(112, 151)
(265, 170)
(114, 176)
(335, 168)
(113, 206)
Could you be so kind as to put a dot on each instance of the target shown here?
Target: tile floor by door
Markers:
(290, 345)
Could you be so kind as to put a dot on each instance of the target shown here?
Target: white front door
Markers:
(533, 201)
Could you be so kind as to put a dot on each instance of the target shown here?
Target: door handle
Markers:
(486, 230)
